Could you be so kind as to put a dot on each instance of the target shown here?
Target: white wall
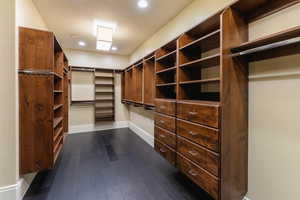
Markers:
(94, 59)
(274, 104)
(8, 133)
(28, 16)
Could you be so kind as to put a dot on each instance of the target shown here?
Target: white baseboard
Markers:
(246, 198)
(9, 192)
(99, 127)
(147, 137)
(16, 191)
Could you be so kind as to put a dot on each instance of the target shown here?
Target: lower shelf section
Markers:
(200, 176)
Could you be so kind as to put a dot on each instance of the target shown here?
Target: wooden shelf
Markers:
(102, 107)
(83, 102)
(152, 58)
(104, 84)
(57, 91)
(57, 76)
(104, 99)
(170, 55)
(56, 153)
(108, 77)
(199, 81)
(213, 60)
(57, 134)
(56, 121)
(165, 84)
(103, 115)
(283, 43)
(166, 70)
(57, 106)
(107, 92)
(196, 43)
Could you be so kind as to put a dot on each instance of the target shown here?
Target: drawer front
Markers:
(204, 158)
(165, 122)
(165, 137)
(205, 136)
(165, 107)
(205, 114)
(203, 179)
(165, 152)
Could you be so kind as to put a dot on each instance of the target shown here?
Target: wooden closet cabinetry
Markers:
(201, 95)
(43, 99)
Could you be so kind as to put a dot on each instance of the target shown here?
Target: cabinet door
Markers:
(36, 122)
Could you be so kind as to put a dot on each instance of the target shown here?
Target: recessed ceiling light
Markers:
(114, 48)
(143, 3)
(81, 43)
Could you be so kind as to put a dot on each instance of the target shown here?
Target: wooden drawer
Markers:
(206, 159)
(206, 181)
(165, 137)
(165, 122)
(166, 107)
(203, 135)
(203, 113)
(165, 151)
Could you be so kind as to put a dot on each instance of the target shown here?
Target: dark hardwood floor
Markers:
(112, 165)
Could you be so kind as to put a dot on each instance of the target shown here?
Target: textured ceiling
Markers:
(73, 20)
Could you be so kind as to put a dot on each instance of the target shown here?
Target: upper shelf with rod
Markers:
(283, 43)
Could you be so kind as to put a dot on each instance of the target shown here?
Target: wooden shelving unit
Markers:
(44, 103)
(104, 95)
(149, 80)
(166, 70)
(201, 95)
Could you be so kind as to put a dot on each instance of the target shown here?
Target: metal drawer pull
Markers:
(192, 133)
(162, 150)
(193, 153)
(193, 113)
(193, 173)
(162, 107)
(162, 136)
(161, 121)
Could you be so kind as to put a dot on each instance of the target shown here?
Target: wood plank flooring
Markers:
(112, 165)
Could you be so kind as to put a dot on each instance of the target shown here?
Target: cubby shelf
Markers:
(57, 106)
(57, 76)
(270, 39)
(56, 121)
(199, 81)
(165, 84)
(283, 43)
(203, 62)
(57, 134)
(197, 43)
(171, 55)
(166, 70)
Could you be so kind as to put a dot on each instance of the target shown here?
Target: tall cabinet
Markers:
(43, 99)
